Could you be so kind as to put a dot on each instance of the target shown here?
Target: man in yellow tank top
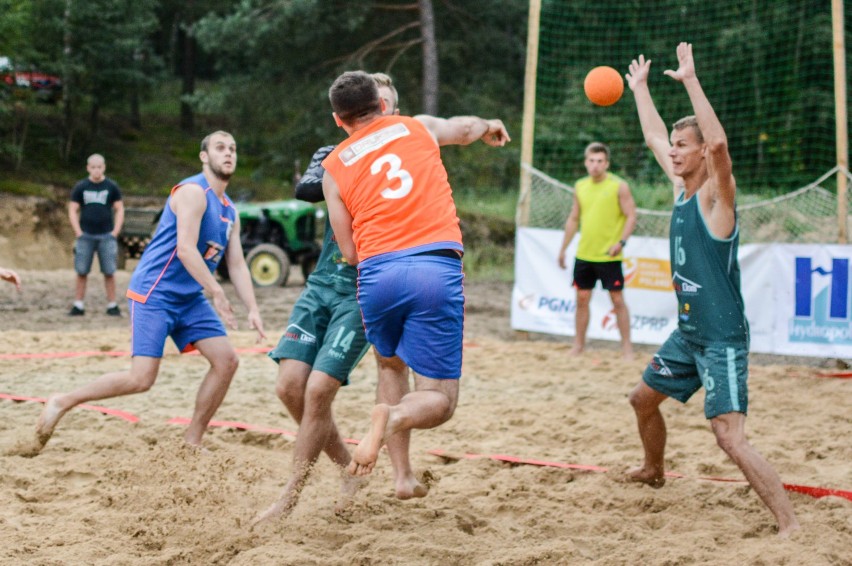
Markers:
(605, 212)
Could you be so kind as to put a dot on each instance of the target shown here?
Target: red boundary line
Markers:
(121, 353)
(838, 374)
(807, 490)
(129, 417)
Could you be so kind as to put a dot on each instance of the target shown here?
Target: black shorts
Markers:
(587, 273)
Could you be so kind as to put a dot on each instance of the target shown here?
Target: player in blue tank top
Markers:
(710, 346)
(198, 229)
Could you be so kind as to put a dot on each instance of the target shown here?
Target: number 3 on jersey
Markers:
(395, 171)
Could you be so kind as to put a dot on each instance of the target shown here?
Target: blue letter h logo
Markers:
(839, 304)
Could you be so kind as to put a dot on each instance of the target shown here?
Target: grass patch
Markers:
(490, 202)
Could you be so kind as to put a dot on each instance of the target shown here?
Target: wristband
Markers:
(622, 242)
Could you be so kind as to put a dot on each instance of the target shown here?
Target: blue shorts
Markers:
(680, 368)
(324, 331)
(413, 307)
(84, 252)
(186, 323)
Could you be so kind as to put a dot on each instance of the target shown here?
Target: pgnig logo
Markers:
(822, 313)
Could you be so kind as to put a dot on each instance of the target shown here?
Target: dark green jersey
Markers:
(332, 270)
(706, 278)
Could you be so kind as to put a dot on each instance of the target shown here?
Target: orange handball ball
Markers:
(604, 86)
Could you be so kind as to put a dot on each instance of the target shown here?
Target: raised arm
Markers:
(341, 220)
(309, 187)
(653, 128)
(464, 130)
(719, 165)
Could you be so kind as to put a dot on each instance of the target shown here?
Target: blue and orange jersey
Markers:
(160, 276)
(394, 184)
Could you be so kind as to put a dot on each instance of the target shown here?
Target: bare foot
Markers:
(281, 508)
(789, 530)
(349, 486)
(47, 421)
(628, 355)
(652, 478)
(576, 350)
(367, 452)
(410, 487)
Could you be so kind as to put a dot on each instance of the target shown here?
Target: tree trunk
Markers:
(430, 58)
(67, 91)
(187, 116)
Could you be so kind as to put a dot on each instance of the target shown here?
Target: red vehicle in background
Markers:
(46, 87)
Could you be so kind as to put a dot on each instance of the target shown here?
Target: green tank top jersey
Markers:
(706, 278)
(332, 270)
(601, 218)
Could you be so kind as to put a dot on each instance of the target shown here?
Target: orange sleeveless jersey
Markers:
(393, 182)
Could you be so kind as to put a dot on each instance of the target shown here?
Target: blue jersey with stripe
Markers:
(160, 276)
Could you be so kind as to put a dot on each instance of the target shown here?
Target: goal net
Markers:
(766, 67)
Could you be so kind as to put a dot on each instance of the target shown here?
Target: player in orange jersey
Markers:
(392, 210)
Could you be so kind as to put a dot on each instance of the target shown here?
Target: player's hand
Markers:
(497, 135)
(686, 68)
(614, 249)
(561, 260)
(223, 307)
(255, 323)
(11, 277)
(638, 72)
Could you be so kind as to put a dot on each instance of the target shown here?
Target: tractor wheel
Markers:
(268, 265)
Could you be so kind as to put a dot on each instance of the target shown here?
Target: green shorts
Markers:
(680, 368)
(325, 330)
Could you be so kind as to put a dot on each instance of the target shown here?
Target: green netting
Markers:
(766, 66)
(805, 215)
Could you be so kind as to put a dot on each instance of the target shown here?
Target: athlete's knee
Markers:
(320, 392)
(642, 399)
(393, 363)
(730, 439)
(140, 382)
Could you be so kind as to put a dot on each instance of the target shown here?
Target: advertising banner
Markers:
(798, 297)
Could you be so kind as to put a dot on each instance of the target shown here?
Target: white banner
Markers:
(798, 297)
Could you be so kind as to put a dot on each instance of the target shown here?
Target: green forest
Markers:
(141, 81)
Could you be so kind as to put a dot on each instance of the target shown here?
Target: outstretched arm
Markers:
(309, 187)
(718, 159)
(653, 128)
(341, 220)
(464, 130)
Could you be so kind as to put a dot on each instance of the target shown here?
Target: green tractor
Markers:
(276, 235)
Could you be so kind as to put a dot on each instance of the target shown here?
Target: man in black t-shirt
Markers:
(96, 213)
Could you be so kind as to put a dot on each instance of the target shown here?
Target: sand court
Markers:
(110, 491)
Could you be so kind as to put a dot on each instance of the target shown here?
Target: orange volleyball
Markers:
(604, 86)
